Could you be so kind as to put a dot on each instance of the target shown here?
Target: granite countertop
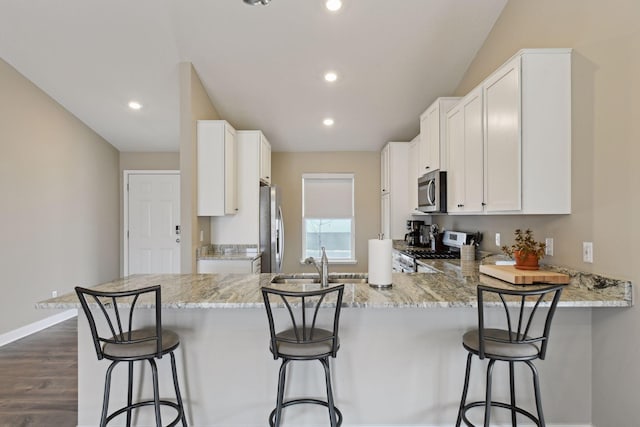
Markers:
(230, 256)
(454, 285)
(228, 252)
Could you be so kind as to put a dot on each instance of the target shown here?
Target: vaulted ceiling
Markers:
(262, 66)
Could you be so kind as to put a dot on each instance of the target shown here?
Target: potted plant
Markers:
(525, 251)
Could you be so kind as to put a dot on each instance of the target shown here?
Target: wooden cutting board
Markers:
(509, 273)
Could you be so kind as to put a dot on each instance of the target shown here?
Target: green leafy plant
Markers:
(525, 245)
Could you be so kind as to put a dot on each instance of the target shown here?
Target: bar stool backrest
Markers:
(528, 313)
(111, 316)
(303, 316)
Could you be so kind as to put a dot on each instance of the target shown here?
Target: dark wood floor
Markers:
(39, 379)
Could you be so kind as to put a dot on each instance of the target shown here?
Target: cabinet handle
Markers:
(426, 167)
(484, 204)
(460, 206)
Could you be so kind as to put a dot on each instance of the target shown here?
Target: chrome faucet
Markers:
(323, 268)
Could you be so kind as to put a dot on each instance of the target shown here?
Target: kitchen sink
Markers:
(303, 278)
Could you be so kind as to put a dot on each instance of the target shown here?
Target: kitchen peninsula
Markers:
(401, 360)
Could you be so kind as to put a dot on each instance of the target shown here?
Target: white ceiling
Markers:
(262, 66)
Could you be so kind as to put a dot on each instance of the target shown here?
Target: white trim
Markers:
(34, 327)
(125, 208)
(392, 425)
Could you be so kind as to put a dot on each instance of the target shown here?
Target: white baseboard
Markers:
(34, 327)
(425, 425)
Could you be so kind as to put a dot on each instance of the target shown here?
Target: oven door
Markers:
(432, 192)
(403, 263)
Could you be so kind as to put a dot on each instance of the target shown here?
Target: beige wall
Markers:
(194, 105)
(59, 215)
(287, 169)
(605, 177)
(141, 161)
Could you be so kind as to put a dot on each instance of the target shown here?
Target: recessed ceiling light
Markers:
(333, 5)
(328, 122)
(134, 105)
(331, 76)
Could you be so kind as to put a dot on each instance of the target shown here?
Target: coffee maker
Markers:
(412, 238)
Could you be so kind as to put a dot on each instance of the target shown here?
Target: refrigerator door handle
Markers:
(280, 238)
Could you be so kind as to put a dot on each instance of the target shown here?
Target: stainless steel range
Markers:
(405, 260)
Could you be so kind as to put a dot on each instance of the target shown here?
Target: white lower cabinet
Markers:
(245, 266)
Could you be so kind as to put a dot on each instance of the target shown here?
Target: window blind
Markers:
(327, 195)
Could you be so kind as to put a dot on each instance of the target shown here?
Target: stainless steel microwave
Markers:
(432, 192)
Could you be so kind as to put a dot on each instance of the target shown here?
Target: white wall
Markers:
(59, 188)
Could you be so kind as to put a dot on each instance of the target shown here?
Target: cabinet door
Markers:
(433, 137)
(216, 168)
(464, 141)
(412, 184)
(230, 172)
(424, 161)
(384, 170)
(455, 172)
(473, 148)
(224, 266)
(502, 158)
(265, 161)
(385, 219)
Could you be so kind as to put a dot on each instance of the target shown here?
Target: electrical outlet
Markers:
(548, 243)
(54, 294)
(497, 239)
(587, 251)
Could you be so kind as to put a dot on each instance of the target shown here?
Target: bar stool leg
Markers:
(536, 389)
(513, 395)
(330, 403)
(156, 392)
(105, 398)
(177, 387)
(487, 403)
(130, 394)
(280, 398)
(465, 388)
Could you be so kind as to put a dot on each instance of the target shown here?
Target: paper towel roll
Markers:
(380, 262)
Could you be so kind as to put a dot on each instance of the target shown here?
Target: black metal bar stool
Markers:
(521, 337)
(115, 339)
(304, 333)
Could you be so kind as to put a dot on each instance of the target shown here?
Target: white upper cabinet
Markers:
(523, 139)
(265, 160)
(394, 160)
(502, 159)
(528, 134)
(465, 144)
(433, 153)
(216, 168)
(414, 173)
(384, 170)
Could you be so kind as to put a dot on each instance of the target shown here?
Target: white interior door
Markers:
(154, 223)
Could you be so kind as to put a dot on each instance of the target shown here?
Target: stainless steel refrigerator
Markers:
(271, 230)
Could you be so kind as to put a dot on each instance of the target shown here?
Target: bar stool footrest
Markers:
(482, 403)
(149, 403)
(301, 401)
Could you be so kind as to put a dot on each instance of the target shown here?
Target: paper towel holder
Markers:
(378, 285)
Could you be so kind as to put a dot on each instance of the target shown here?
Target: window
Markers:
(327, 216)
